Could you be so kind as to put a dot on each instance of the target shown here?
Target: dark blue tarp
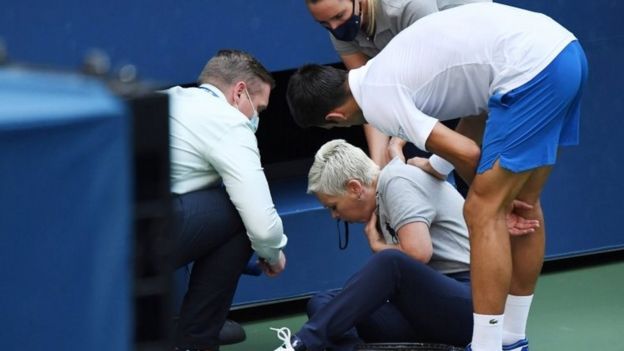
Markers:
(65, 276)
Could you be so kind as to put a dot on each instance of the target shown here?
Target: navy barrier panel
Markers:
(65, 269)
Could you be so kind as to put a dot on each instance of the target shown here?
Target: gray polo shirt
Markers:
(406, 194)
(392, 16)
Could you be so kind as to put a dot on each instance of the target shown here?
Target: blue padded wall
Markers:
(64, 216)
(169, 41)
(583, 198)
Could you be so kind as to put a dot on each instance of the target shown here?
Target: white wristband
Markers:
(441, 165)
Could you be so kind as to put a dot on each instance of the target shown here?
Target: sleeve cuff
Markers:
(273, 259)
(271, 255)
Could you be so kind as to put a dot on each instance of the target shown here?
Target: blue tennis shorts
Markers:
(527, 125)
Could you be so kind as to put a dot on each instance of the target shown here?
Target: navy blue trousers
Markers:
(393, 298)
(209, 232)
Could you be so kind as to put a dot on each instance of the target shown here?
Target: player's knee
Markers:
(389, 255)
(477, 211)
(389, 258)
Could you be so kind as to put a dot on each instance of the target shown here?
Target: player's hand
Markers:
(395, 148)
(517, 224)
(423, 163)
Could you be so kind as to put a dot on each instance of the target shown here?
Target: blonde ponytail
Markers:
(370, 17)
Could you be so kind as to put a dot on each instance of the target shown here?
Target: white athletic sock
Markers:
(487, 332)
(516, 315)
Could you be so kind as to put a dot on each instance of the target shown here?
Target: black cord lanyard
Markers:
(342, 246)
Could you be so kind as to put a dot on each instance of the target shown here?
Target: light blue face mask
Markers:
(254, 119)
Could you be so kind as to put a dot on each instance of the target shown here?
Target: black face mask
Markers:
(348, 30)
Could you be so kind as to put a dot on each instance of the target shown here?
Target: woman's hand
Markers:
(376, 240)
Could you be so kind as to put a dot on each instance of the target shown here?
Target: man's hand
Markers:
(395, 148)
(273, 270)
(423, 163)
(517, 224)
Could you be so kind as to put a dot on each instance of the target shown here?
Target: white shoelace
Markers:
(284, 335)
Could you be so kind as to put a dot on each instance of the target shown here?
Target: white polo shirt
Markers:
(448, 64)
(211, 141)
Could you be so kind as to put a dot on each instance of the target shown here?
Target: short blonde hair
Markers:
(337, 162)
(229, 66)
